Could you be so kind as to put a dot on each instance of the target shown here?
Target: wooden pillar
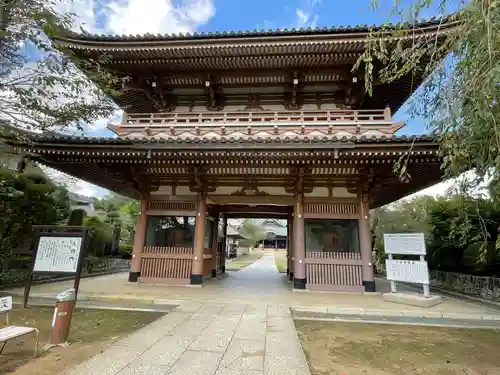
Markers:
(215, 242)
(287, 247)
(139, 240)
(291, 248)
(365, 242)
(224, 244)
(299, 248)
(199, 240)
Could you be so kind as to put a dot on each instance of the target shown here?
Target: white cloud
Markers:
(138, 16)
(307, 15)
(452, 186)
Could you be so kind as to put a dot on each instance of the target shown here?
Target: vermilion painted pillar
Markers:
(299, 265)
(199, 240)
(224, 244)
(365, 243)
(215, 241)
(291, 248)
(139, 239)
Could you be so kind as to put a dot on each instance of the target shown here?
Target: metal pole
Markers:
(426, 286)
(393, 283)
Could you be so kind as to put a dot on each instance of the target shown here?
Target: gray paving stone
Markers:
(211, 308)
(279, 344)
(189, 306)
(251, 329)
(144, 369)
(147, 336)
(165, 352)
(244, 355)
(233, 309)
(196, 363)
(256, 310)
(228, 371)
(278, 310)
(285, 366)
(213, 339)
(280, 324)
(225, 321)
(108, 362)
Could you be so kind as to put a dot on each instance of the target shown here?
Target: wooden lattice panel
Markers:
(334, 271)
(334, 171)
(245, 171)
(171, 206)
(167, 250)
(166, 265)
(332, 210)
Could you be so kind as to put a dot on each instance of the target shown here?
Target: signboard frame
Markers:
(421, 254)
(61, 232)
(401, 250)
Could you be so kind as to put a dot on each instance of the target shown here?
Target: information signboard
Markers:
(404, 243)
(57, 250)
(410, 271)
(58, 254)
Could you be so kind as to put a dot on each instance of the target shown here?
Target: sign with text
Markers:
(58, 254)
(404, 243)
(410, 271)
(5, 304)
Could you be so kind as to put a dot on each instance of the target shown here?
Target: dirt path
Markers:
(356, 349)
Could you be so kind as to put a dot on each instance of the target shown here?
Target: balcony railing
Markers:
(347, 117)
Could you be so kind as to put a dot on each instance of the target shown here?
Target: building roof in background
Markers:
(77, 198)
(278, 227)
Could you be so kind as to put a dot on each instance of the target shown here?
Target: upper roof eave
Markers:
(58, 141)
(359, 31)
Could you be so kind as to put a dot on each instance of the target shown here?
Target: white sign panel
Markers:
(404, 243)
(5, 304)
(58, 254)
(411, 271)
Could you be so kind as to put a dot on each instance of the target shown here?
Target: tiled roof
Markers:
(65, 139)
(257, 33)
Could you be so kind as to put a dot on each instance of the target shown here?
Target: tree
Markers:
(76, 217)
(460, 231)
(26, 200)
(100, 236)
(461, 96)
(251, 232)
(42, 88)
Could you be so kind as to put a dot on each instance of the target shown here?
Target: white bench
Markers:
(11, 332)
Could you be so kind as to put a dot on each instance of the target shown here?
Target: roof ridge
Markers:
(255, 32)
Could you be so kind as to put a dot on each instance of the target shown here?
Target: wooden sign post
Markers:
(57, 251)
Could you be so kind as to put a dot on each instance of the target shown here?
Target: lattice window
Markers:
(172, 206)
(341, 209)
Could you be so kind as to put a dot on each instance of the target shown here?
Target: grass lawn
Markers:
(244, 260)
(280, 261)
(334, 348)
(91, 331)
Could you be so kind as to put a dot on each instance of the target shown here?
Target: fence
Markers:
(478, 286)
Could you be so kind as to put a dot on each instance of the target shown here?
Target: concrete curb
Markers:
(336, 311)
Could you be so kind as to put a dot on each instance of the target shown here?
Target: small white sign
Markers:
(5, 304)
(58, 254)
(411, 271)
(404, 243)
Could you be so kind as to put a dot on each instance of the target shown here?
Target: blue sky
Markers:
(174, 16)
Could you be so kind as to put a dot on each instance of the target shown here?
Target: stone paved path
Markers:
(207, 339)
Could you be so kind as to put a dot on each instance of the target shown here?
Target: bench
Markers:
(11, 332)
